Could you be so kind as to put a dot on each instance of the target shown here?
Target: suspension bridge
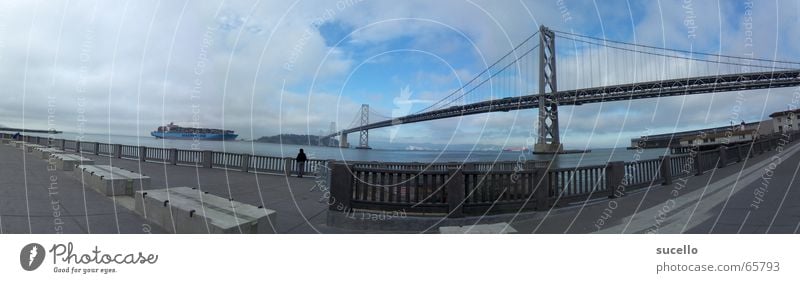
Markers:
(588, 70)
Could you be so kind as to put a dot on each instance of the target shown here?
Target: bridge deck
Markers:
(642, 90)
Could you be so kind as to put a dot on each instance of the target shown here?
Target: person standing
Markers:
(301, 163)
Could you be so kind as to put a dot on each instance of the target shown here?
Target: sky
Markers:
(270, 67)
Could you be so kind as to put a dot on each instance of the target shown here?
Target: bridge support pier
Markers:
(343, 141)
(545, 148)
(331, 143)
(549, 142)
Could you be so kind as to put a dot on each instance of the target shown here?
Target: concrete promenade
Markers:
(34, 199)
(759, 195)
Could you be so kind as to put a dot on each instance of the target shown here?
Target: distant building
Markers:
(720, 138)
(785, 121)
(738, 133)
(779, 122)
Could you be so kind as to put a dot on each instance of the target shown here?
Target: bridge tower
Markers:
(548, 141)
(331, 141)
(363, 141)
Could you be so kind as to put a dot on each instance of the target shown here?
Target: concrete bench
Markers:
(17, 144)
(67, 162)
(496, 228)
(111, 181)
(188, 210)
(30, 147)
(45, 152)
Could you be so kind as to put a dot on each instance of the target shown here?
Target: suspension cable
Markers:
(481, 73)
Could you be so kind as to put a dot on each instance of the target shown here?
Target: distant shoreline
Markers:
(292, 139)
(21, 131)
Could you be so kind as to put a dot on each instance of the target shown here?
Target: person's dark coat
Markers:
(301, 157)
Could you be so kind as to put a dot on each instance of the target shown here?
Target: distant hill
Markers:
(296, 139)
(23, 131)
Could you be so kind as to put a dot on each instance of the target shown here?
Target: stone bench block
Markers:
(18, 144)
(496, 228)
(111, 181)
(30, 147)
(187, 210)
(45, 152)
(67, 162)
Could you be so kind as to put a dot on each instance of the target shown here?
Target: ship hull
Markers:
(193, 136)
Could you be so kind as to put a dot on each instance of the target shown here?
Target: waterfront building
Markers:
(785, 121)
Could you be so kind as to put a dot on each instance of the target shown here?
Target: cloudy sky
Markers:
(270, 67)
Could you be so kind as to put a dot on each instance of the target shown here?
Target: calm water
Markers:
(596, 157)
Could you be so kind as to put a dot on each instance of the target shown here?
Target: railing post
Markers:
(173, 153)
(739, 156)
(207, 156)
(666, 169)
(96, 148)
(723, 157)
(467, 167)
(754, 149)
(142, 153)
(698, 164)
(287, 166)
(118, 150)
(77, 146)
(615, 178)
(341, 189)
(455, 194)
(541, 189)
(245, 162)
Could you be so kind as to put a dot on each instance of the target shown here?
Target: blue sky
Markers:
(271, 67)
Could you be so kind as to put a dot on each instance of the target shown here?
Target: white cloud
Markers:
(135, 74)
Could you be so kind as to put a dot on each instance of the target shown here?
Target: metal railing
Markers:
(455, 189)
(577, 183)
(204, 158)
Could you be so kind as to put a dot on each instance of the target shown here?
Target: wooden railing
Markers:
(643, 173)
(578, 183)
(208, 159)
(456, 189)
(397, 189)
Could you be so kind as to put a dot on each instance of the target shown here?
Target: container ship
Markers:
(173, 131)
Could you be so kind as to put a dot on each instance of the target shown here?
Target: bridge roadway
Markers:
(665, 88)
(79, 210)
